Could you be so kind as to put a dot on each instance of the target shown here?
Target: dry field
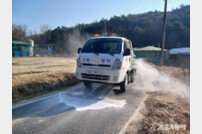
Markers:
(182, 74)
(161, 113)
(32, 76)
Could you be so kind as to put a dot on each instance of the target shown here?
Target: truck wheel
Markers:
(87, 84)
(124, 84)
(132, 76)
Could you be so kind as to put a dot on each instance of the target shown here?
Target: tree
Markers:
(19, 32)
(44, 28)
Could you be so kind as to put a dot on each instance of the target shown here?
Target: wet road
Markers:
(103, 109)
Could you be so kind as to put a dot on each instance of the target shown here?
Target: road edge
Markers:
(132, 118)
(40, 97)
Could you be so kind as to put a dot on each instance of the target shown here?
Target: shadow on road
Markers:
(117, 91)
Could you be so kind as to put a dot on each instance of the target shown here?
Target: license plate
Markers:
(94, 72)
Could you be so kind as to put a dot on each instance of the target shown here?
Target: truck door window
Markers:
(131, 49)
(126, 45)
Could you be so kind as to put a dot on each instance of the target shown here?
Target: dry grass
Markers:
(163, 109)
(179, 73)
(32, 76)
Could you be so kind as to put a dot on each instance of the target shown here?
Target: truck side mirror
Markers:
(79, 50)
(127, 52)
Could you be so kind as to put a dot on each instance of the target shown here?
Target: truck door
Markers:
(127, 59)
(132, 56)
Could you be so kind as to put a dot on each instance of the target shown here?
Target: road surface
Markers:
(74, 111)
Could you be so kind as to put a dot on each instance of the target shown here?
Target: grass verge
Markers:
(35, 76)
(161, 113)
(48, 83)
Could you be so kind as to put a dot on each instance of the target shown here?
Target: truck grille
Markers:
(95, 76)
(94, 65)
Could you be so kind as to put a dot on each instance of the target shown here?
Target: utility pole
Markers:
(163, 35)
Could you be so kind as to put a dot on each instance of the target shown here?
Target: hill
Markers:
(142, 29)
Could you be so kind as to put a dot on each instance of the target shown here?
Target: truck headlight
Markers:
(78, 62)
(117, 64)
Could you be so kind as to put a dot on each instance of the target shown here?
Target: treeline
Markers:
(142, 29)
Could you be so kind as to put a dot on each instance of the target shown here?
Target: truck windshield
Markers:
(105, 45)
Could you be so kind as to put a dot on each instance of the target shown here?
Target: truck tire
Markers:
(124, 84)
(87, 84)
(132, 75)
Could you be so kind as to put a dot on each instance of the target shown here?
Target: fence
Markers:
(21, 53)
(43, 52)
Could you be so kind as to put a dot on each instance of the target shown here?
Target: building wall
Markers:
(152, 56)
(21, 50)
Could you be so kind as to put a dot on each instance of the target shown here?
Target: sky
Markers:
(53, 13)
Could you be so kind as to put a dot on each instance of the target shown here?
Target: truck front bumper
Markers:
(99, 75)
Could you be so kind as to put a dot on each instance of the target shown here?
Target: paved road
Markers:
(74, 111)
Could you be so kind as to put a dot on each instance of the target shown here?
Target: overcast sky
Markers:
(71, 12)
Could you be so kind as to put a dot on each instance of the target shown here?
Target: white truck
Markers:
(106, 60)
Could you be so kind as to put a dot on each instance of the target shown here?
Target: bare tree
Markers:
(44, 28)
(19, 32)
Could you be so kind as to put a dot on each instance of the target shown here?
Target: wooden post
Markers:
(27, 53)
(21, 52)
(13, 53)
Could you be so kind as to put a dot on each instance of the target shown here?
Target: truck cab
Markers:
(106, 60)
